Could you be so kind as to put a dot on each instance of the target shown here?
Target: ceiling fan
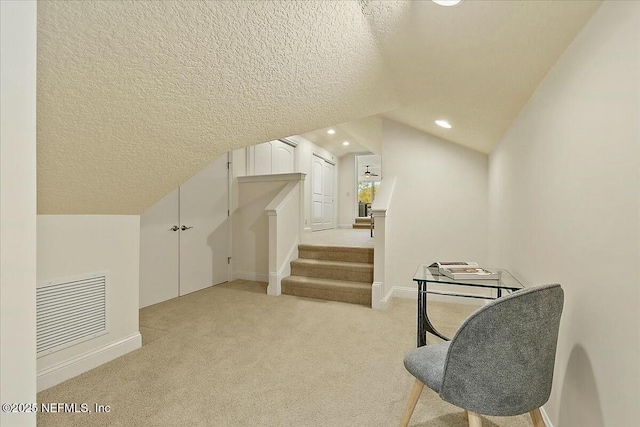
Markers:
(368, 174)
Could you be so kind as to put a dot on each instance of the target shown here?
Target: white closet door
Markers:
(271, 157)
(282, 157)
(174, 263)
(203, 247)
(159, 246)
(263, 159)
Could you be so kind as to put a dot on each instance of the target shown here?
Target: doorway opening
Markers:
(369, 170)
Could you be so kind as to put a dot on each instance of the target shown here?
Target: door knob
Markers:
(184, 227)
(174, 228)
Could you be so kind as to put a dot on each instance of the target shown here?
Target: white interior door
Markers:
(159, 246)
(327, 197)
(321, 194)
(317, 193)
(204, 222)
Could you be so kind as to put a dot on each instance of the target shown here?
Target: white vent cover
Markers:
(69, 312)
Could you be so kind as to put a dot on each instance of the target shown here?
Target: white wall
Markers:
(288, 229)
(285, 226)
(251, 229)
(439, 209)
(564, 203)
(74, 245)
(18, 208)
(347, 196)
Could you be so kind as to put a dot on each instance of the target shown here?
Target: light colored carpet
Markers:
(232, 356)
(336, 273)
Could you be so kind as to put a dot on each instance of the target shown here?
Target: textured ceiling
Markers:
(135, 97)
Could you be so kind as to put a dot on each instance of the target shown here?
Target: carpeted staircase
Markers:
(334, 273)
(362, 222)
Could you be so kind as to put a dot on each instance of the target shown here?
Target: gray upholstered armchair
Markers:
(500, 361)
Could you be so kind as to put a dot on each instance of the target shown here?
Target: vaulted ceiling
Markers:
(135, 97)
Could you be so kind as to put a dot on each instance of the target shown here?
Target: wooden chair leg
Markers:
(536, 417)
(474, 419)
(411, 403)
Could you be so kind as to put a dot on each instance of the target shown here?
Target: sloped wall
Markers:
(251, 227)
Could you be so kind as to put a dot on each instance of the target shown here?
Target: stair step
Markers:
(335, 270)
(334, 290)
(336, 253)
(363, 220)
(362, 226)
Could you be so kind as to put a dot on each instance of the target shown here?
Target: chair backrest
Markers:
(500, 361)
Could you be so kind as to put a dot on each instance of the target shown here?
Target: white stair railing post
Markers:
(380, 295)
(274, 286)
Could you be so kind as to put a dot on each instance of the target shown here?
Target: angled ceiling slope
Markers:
(475, 65)
(136, 97)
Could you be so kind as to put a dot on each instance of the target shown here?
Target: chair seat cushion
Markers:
(427, 364)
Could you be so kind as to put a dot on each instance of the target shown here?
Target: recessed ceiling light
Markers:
(345, 143)
(446, 2)
(331, 131)
(443, 123)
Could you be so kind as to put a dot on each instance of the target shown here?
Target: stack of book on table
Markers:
(461, 270)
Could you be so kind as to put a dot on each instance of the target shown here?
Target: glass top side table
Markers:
(425, 275)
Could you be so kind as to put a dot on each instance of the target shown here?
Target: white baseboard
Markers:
(545, 417)
(255, 277)
(401, 292)
(70, 368)
(412, 293)
(379, 302)
(346, 226)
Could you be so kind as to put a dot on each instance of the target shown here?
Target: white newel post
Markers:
(274, 283)
(301, 196)
(380, 295)
(378, 292)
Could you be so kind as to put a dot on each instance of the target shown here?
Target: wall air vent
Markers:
(69, 312)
